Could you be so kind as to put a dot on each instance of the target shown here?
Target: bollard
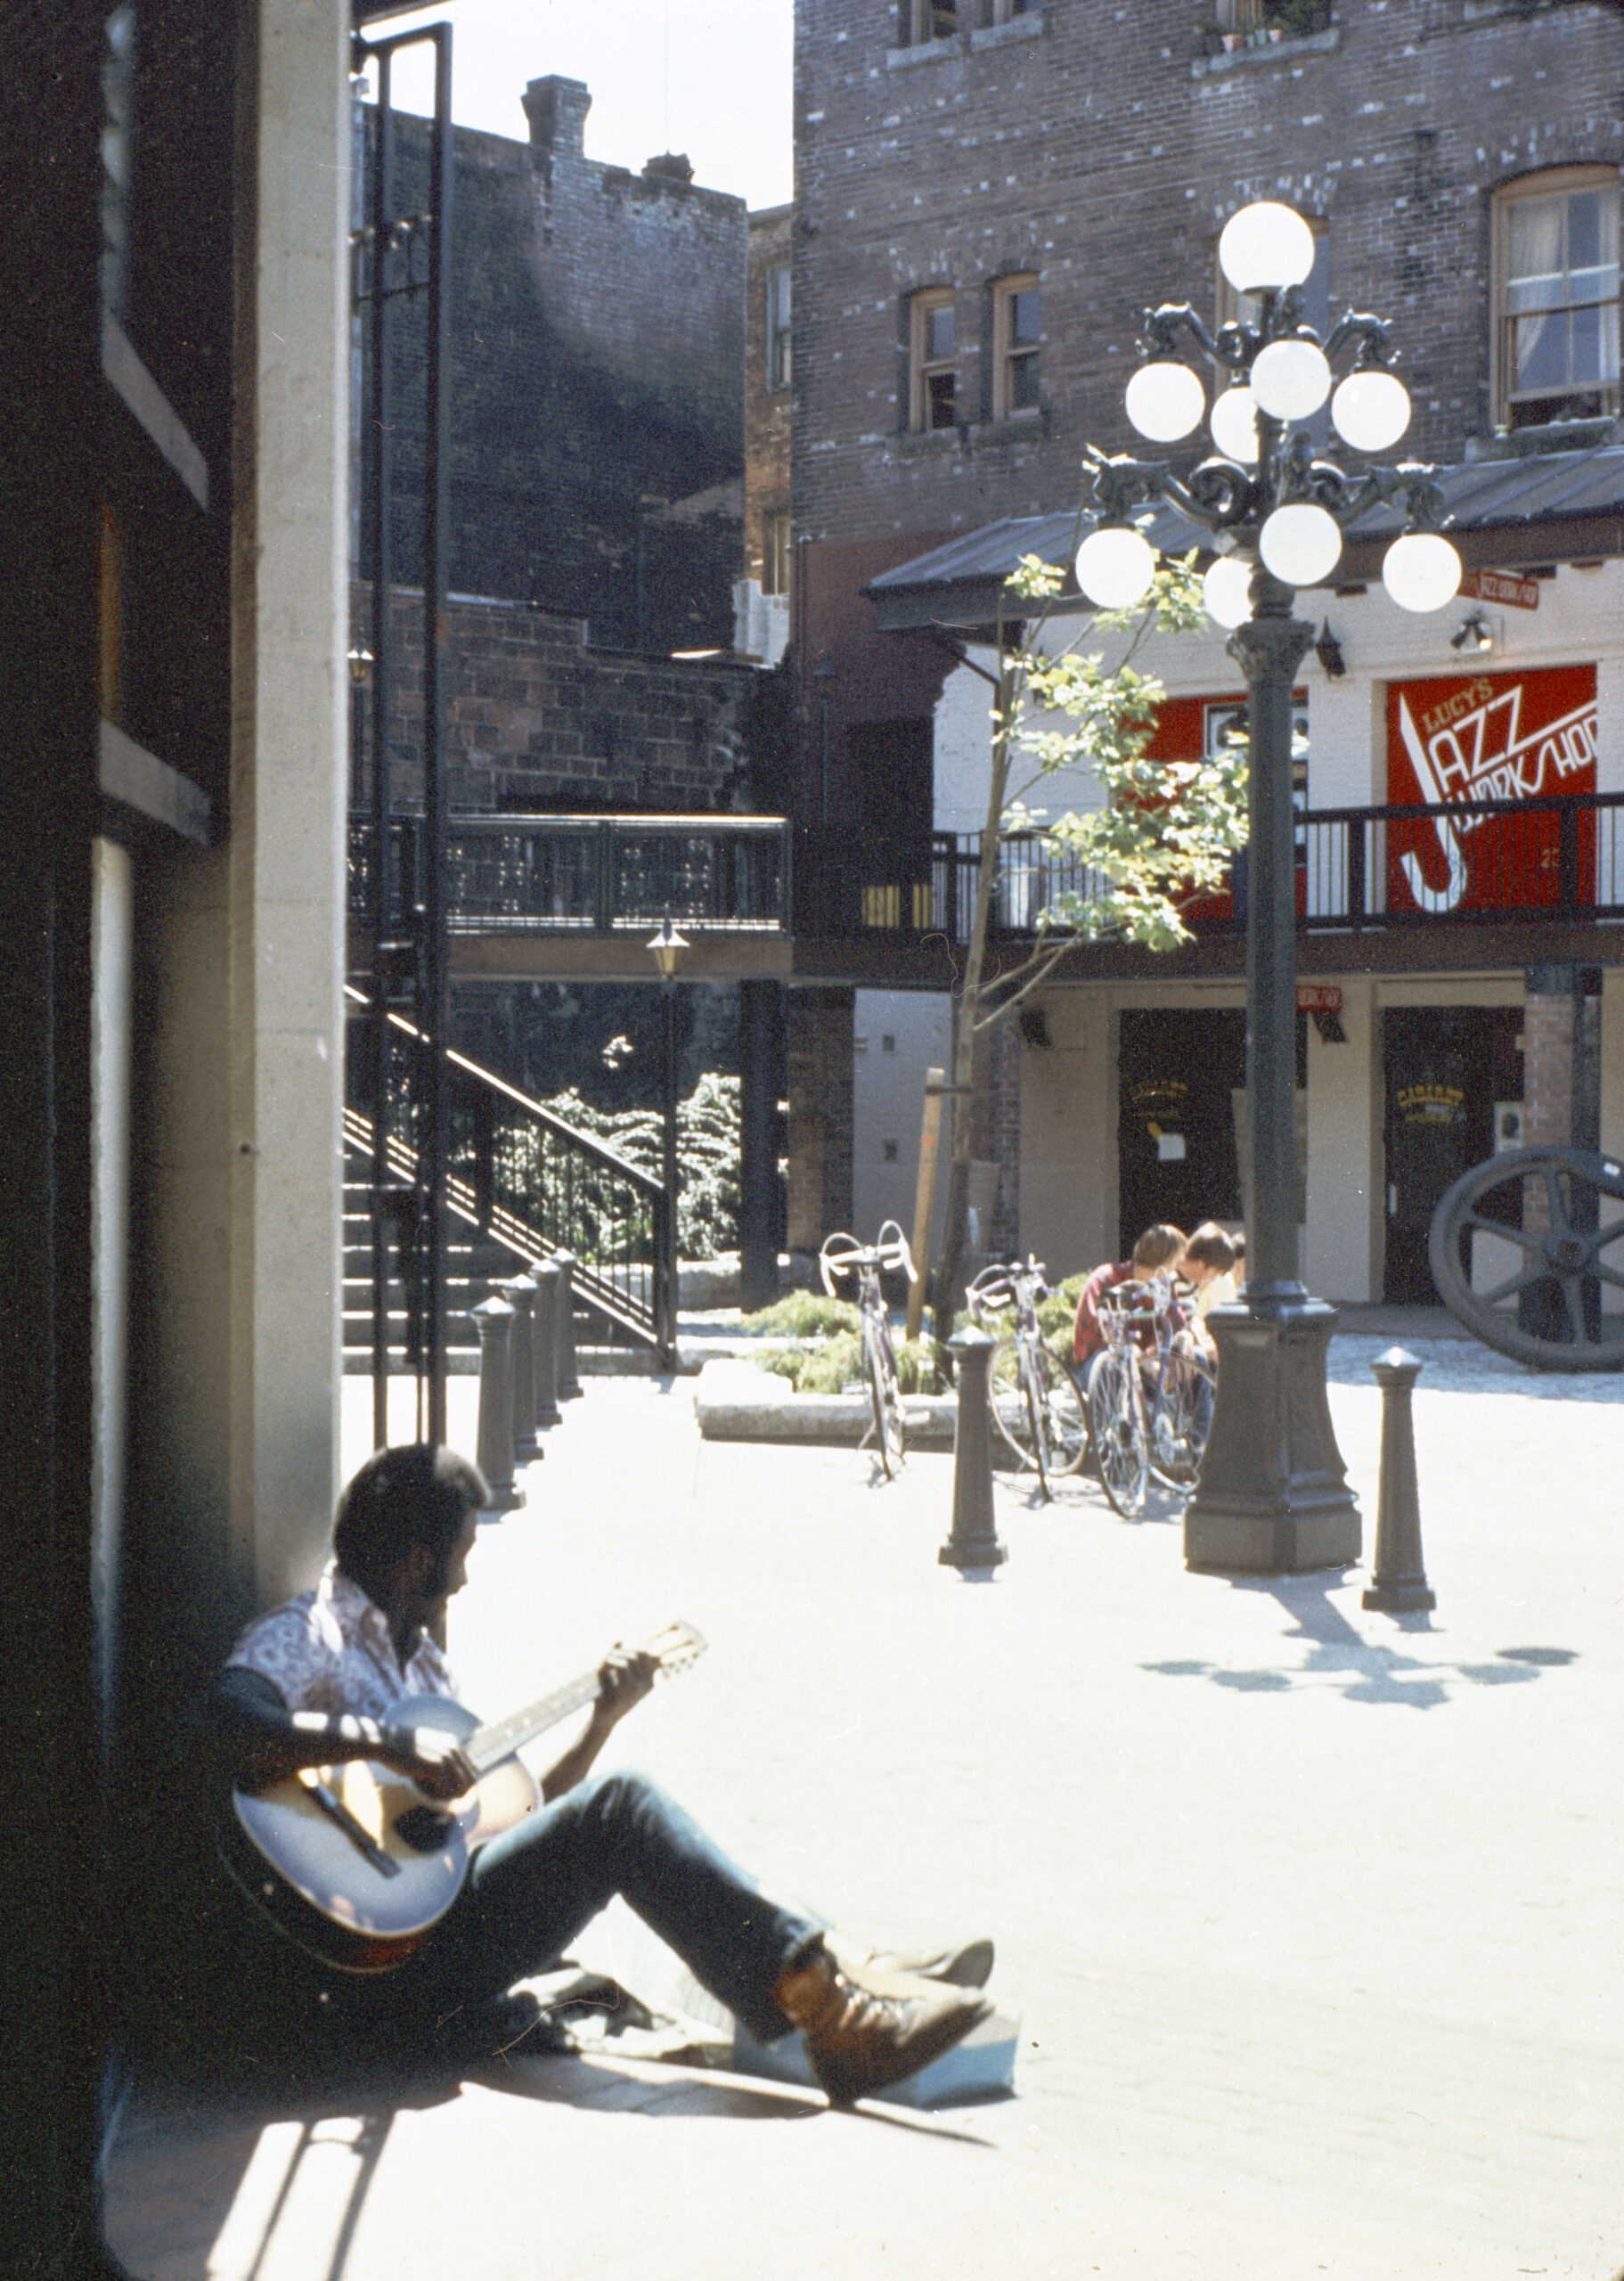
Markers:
(520, 1293)
(973, 1542)
(493, 1319)
(549, 1294)
(1398, 1580)
(569, 1384)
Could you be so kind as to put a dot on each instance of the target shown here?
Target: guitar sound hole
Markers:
(423, 1828)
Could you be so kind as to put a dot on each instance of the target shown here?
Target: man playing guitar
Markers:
(319, 1682)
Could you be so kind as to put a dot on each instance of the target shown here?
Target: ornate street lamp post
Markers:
(668, 949)
(1273, 1497)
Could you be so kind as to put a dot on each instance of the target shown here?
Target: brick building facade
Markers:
(989, 196)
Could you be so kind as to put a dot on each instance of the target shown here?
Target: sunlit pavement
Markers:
(1312, 1914)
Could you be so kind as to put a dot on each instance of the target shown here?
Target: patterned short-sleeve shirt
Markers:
(330, 1650)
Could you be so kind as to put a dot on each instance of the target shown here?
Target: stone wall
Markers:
(537, 720)
(597, 381)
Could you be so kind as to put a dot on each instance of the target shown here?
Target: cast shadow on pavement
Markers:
(1360, 1670)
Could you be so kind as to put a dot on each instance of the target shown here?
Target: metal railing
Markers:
(588, 875)
(1358, 867)
(521, 1175)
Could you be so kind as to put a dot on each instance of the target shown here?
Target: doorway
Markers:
(1446, 1070)
(1176, 1154)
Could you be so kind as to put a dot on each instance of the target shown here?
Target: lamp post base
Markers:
(1273, 1499)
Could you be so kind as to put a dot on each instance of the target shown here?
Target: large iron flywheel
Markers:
(1527, 1252)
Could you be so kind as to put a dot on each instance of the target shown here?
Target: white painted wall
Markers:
(896, 1036)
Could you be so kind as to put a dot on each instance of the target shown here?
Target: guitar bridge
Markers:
(338, 1811)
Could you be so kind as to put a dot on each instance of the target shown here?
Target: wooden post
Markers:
(930, 1125)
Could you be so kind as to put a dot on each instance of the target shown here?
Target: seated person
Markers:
(1207, 1265)
(1156, 1252)
(315, 1682)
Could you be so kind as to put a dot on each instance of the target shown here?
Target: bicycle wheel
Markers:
(1181, 1421)
(1066, 1412)
(1009, 1400)
(885, 1401)
(1116, 1422)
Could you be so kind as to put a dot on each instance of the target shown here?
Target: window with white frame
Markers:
(1555, 351)
(932, 361)
(1016, 348)
(775, 551)
(777, 326)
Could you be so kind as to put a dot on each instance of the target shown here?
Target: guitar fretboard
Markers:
(488, 1746)
(676, 1647)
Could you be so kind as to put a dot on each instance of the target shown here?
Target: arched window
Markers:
(1555, 347)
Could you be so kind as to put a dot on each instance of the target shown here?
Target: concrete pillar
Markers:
(241, 946)
(761, 1050)
(820, 1094)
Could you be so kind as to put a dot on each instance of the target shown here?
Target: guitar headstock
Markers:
(676, 1647)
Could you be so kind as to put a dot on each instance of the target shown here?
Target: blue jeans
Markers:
(531, 1891)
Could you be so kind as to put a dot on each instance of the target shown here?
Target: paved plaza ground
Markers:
(1312, 1916)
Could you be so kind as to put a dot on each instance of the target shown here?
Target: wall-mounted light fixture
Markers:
(1475, 633)
(1328, 649)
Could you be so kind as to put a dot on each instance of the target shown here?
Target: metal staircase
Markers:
(521, 1186)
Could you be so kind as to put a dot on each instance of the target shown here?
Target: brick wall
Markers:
(597, 381)
(819, 1144)
(1091, 144)
(535, 720)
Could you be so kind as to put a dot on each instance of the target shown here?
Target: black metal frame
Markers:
(389, 271)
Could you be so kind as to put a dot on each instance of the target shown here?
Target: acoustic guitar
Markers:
(356, 1863)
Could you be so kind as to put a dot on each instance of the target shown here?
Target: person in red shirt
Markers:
(1155, 1253)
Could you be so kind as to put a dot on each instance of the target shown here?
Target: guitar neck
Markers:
(488, 1746)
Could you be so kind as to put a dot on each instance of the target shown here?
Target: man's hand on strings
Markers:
(434, 1760)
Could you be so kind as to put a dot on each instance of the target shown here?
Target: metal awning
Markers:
(1548, 507)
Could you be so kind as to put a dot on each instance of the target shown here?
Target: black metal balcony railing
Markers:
(1357, 867)
(590, 875)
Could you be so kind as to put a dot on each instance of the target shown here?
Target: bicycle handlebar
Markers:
(843, 1254)
(994, 1288)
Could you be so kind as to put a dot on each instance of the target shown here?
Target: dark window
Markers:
(778, 327)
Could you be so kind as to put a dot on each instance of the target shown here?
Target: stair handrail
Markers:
(587, 1142)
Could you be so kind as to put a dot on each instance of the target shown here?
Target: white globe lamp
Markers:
(1266, 248)
(1300, 544)
(1115, 567)
(1290, 379)
(1371, 411)
(1235, 425)
(1165, 401)
(1421, 571)
(1227, 589)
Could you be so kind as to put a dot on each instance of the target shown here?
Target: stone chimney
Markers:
(557, 111)
(670, 165)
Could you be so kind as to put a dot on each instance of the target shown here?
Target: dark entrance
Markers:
(1180, 1072)
(1445, 1068)
(890, 813)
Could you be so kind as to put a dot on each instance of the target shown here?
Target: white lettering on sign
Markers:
(1501, 586)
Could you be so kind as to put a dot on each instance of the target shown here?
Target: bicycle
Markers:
(867, 1263)
(1168, 1438)
(1036, 1405)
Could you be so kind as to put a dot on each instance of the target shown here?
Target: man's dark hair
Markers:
(417, 1495)
(1158, 1247)
(1210, 1246)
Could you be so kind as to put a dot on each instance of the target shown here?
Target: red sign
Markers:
(1502, 737)
(1319, 998)
(1195, 728)
(1501, 586)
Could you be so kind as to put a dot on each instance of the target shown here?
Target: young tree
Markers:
(1161, 837)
